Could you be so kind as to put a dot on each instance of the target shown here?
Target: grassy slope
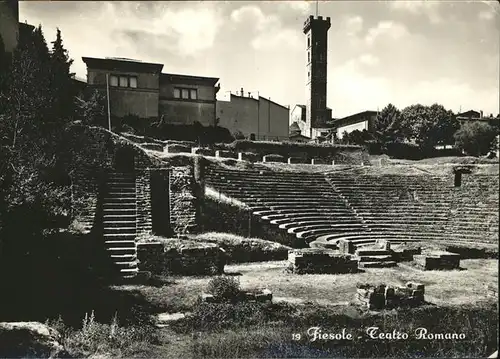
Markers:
(312, 300)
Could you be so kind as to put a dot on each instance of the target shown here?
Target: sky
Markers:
(379, 52)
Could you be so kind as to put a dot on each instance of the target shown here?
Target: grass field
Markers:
(457, 302)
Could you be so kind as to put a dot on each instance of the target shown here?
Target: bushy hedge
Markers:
(409, 151)
(240, 249)
(291, 149)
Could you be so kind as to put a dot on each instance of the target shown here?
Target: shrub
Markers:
(238, 135)
(224, 287)
(476, 138)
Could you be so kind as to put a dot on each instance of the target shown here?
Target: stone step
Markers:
(120, 215)
(121, 191)
(120, 243)
(128, 264)
(123, 224)
(123, 257)
(375, 258)
(129, 271)
(372, 252)
(335, 226)
(117, 199)
(122, 250)
(121, 177)
(317, 217)
(332, 221)
(121, 230)
(386, 264)
(114, 236)
(131, 206)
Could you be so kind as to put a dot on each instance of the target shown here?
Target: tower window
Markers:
(309, 41)
(123, 81)
(308, 56)
(113, 80)
(133, 81)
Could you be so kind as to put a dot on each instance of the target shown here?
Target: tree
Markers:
(428, 125)
(387, 126)
(238, 135)
(356, 137)
(61, 81)
(476, 138)
(92, 110)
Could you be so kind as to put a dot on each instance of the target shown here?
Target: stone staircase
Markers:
(119, 223)
(374, 258)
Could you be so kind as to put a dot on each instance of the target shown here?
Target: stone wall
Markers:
(85, 195)
(474, 205)
(175, 258)
(387, 297)
(319, 261)
(183, 201)
(438, 261)
(143, 203)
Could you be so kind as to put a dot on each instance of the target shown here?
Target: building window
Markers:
(186, 94)
(113, 80)
(123, 81)
(308, 56)
(133, 82)
(309, 41)
(458, 179)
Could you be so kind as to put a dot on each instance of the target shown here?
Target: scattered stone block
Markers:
(383, 244)
(320, 261)
(30, 339)
(438, 261)
(264, 296)
(208, 298)
(416, 286)
(382, 296)
(346, 246)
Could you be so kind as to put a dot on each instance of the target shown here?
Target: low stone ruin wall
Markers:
(320, 261)
(438, 261)
(401, 254)
(159, 258)
(387, 297)
(264, 295)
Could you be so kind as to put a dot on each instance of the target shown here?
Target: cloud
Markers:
(352, 25)
(192, 29)
(418, 7)
(303, 7)
(270, 32)
(452, 94)
(383, 29)
(150, 32)
(368, 59)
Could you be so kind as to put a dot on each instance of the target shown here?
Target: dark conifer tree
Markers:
(61, 81)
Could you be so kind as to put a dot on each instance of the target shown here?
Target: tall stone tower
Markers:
(316, 31)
